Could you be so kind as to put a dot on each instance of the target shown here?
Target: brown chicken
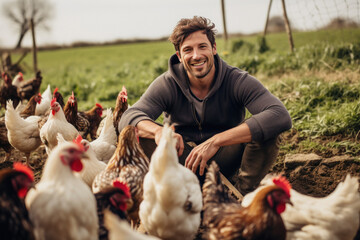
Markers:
(73, 117)
(94, 117)
(59, 99)
(4, 141)
(115, 198)
(8, 91)
(129, 164)
(120, 108)
(14, 218)
(224, 218)
(26, 89)
(30, 107)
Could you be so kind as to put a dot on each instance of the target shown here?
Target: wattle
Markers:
(76, 165)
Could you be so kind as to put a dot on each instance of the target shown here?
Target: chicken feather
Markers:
(172, 194)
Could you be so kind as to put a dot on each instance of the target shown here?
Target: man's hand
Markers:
(200, 155)
(179, 140)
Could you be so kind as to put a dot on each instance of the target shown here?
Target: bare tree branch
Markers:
(19, 12)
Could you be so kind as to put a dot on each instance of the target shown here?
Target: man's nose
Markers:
(196, 54)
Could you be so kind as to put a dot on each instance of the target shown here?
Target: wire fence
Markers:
(307, 15)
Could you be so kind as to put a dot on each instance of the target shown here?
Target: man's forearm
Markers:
(236, 135)
(148, 129)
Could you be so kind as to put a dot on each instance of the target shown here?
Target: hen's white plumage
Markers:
(334, 217)
(105, 145)
(46, 97)
(55, 124)
(23, 134)
(172, 195)
(121, 230)
(62, 206)
(92, 166)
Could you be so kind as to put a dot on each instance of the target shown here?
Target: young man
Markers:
(205, 99)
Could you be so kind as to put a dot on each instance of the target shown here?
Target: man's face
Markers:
(197, 55)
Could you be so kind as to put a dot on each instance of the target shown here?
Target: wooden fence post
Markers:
(267, 18)
(34, 45)
(287, 25)
(224, 22)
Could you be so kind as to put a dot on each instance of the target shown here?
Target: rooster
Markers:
(14, 218)
(23, 134)
(94, 117)
(44, 105)
(62, 206)
(28, 88)
(224, 218)
(335, 216)
(114, 198)
(120, 107)
(105, 145)
(119, 229)
(129, 164)
(30, 107)
(172, 194)
(73, 117)
(55, 124)
(8, 91)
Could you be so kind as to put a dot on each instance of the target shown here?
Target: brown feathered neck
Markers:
(71, 110)
(128, 150)
(92, 114)
(30, 107)
(260, 204)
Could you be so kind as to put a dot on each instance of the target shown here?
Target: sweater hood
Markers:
(178, 73)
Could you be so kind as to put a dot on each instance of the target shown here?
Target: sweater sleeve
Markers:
(269, 115)
(150, 105)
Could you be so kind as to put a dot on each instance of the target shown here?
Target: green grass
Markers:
(319, 105)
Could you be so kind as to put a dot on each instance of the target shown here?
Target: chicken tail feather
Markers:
(214, 190)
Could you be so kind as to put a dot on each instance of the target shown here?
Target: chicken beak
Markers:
(288, 201)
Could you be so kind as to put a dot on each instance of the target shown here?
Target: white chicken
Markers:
(92, 166)
(120, 229)
(55, 124)
(44, 106)
(62, 206)
(334, 217)
(105, 145)
(19, 78)
(23, 134)
(172, 195)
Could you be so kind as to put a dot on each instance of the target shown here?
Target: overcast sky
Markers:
(107, 20)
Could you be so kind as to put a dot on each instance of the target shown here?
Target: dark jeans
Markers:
(254, 160)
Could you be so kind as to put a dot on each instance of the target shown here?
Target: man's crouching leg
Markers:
(256, 162)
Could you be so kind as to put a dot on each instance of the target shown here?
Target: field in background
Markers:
(319, 83)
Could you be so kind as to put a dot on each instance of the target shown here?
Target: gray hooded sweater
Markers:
(223, 108)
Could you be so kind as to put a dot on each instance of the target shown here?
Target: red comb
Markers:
(77, 140)
(283, 183)
(72, 94)
(99, 106)
(124, 90)
(24, 169)
(20, 73)
(53, 101)
(122, 186)
(55, 90)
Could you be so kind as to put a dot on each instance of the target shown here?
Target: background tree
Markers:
(19, 12)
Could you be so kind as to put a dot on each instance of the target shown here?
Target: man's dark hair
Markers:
(187, 26)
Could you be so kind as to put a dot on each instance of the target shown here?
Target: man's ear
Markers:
(214, 49)
(178, 55)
